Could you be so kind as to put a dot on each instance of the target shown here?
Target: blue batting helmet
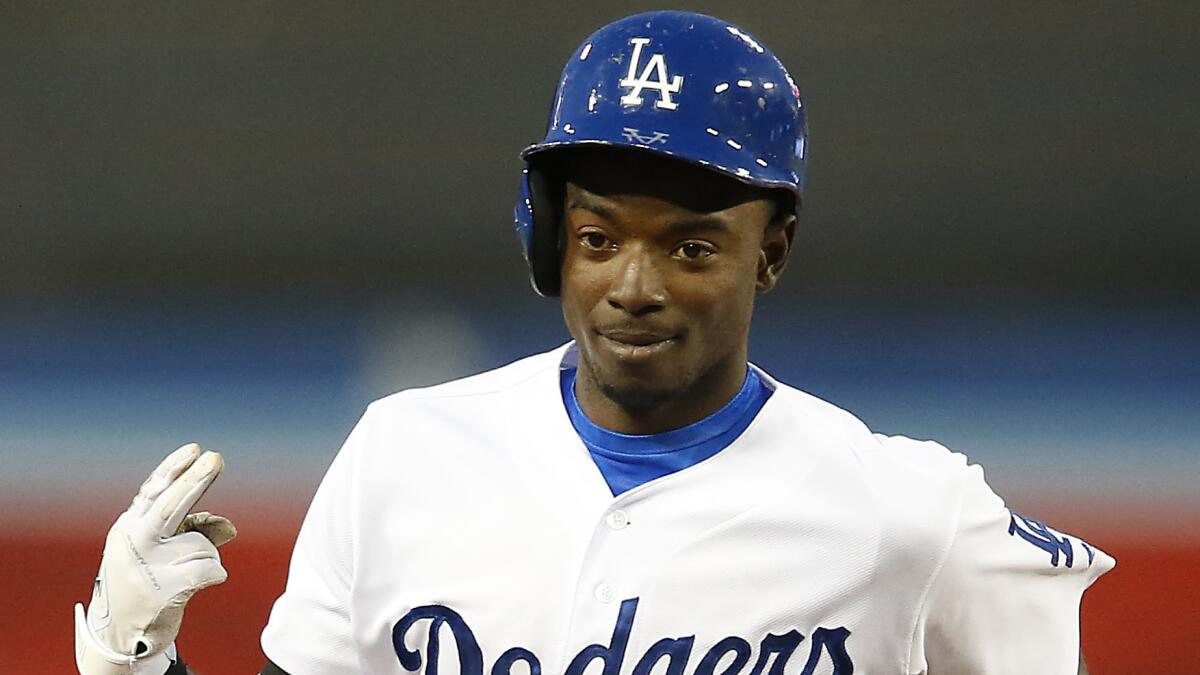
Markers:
(680, 84)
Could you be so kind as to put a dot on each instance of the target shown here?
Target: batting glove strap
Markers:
(93, 657)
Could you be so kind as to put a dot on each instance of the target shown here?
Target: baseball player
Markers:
(642, 499)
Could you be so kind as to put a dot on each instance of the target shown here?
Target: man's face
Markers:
(661, 265)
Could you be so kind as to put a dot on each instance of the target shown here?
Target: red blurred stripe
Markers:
(1141, 617)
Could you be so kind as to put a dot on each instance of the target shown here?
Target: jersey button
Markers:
(618, 520)
(605, 593)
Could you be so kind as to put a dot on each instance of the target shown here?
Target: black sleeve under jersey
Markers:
(272, 669)
(180, 668)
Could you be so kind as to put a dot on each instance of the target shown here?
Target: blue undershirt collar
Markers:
(627, 461)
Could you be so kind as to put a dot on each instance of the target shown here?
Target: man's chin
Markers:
(637, 395)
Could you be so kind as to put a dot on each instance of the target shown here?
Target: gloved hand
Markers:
(155, 558)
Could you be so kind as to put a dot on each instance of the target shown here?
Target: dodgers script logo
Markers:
(774, 650)
(656, 67)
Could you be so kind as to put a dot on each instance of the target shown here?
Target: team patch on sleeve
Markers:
(1058, 545)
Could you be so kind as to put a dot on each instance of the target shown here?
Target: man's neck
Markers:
(709, 394)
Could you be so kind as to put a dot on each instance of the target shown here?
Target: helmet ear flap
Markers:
(545, 246)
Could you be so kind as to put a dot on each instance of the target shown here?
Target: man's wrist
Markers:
(93, 657)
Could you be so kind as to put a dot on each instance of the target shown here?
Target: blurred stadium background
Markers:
(238, 223)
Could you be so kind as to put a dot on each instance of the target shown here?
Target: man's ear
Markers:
(773, 255)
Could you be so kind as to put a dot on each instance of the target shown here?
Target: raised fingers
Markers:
(168, 470)
(177, 499)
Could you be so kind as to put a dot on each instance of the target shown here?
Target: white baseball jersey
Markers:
(464, 528)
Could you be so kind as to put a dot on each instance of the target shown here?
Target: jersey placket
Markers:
(607, 589)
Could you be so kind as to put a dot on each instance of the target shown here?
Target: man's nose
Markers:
(638, 287)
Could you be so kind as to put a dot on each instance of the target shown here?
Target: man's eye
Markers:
(693, 250)
(594, 240)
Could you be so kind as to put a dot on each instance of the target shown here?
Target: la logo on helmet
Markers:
(656, 67)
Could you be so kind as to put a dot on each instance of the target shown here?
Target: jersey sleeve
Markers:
(1006, 597)
(309, 628)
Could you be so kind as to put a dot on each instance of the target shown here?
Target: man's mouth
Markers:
(636, 344)
(636, 338)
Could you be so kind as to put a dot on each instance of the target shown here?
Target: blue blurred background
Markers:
(1057, 402)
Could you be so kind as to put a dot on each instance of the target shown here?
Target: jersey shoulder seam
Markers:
(811, 405)
(937, 570)
(455, 388)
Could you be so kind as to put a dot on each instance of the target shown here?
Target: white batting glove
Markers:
(155, 558)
